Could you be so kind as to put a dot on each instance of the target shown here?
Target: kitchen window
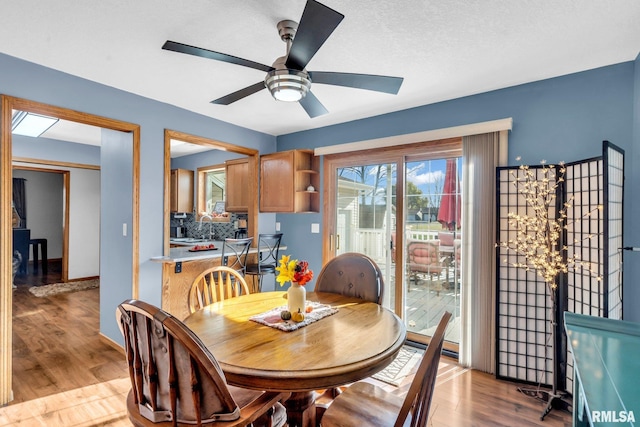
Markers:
(211, 187)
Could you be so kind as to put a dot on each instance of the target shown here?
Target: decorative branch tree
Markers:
(539, 245)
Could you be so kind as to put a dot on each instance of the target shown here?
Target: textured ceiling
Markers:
(443, 49)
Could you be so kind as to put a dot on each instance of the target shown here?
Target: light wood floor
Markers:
(64, 375)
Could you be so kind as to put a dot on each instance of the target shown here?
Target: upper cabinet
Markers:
(237, 183)
(289, 182)
(181, 193)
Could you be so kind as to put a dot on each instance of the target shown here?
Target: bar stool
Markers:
(268, 252)
(39, 245)
(234, 253)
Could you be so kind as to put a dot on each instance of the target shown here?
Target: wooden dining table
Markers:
(360, 339)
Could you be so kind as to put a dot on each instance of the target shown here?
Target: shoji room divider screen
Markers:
(592, 191)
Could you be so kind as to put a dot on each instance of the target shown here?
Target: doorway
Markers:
(44, 216)
(9, 104)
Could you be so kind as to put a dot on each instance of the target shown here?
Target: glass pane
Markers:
(365, 216)
(215, 181)
(432, 249)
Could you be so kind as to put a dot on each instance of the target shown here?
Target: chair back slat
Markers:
(128, 349)
(228, 289)
(216, 284)
(352, 274)
(418, 398)
(152, 372)
(173, 380)
(209, 290)
(137, 362)
(196, 390)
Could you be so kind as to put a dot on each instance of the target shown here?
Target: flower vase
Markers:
(296, 298)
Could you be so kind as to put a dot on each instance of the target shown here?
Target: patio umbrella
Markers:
(449, 212)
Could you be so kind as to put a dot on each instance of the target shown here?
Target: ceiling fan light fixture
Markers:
(288, 85)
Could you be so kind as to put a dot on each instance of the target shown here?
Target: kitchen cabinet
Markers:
(181, 192)
(289, 182)
(237, 183)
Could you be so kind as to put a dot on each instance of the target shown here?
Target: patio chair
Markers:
(423, 258)
(176, 381)
(364, 403)
(446, 239)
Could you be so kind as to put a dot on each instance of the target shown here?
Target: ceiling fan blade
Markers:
(312, 106)
(242, 93)
(316, 25)
(385, 84)
(210, 54)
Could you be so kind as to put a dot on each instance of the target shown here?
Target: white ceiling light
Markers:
(288, 85)
(30, 124)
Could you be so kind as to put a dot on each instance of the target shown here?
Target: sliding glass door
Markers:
(402, 210)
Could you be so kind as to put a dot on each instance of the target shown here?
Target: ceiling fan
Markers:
(287, 79)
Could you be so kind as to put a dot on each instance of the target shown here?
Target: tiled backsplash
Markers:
(221, 230)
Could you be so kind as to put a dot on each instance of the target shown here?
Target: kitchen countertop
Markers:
(182, 254)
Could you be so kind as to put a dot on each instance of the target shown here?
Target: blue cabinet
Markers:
(606, 371)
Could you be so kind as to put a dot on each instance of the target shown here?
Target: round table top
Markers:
(359, 340)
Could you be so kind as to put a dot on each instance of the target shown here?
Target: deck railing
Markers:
(373, 242)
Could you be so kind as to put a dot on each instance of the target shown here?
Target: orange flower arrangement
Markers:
(293, 271)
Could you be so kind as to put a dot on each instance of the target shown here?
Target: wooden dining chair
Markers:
(352, 274)
(355, 275)
(176, 381)
(235, 252)
(268, 257)
(365, 404)
(216, 284)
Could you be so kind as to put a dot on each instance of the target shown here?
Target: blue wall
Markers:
(632, 207)
(26, 80)
(26, 146)
(116, 245)
(560, 119)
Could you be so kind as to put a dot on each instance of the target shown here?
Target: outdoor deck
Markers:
(426, 301)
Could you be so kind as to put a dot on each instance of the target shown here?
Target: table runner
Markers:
(272, 317)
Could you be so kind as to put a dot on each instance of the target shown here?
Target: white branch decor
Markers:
(539, 231)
